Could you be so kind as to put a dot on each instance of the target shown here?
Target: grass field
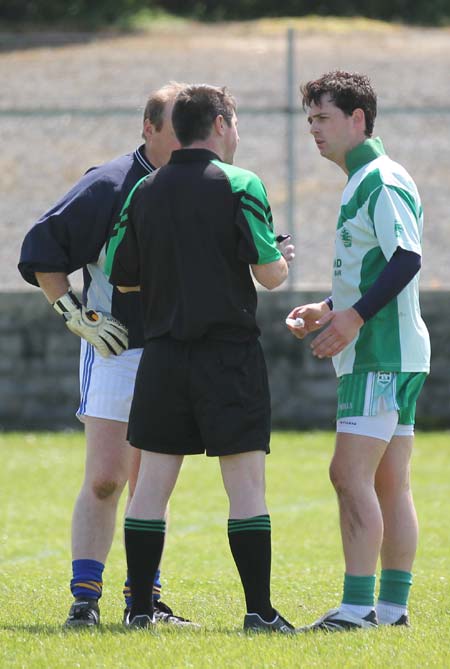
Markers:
(39, 479)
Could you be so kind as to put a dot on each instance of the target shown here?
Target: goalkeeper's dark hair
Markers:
(347, 90)
(195, 110)
(157, 101)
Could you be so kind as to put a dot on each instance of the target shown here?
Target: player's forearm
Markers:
(53, 284)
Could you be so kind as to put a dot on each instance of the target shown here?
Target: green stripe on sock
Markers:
(395, 586)
(261, 523)
(359, 590)
(145, 525)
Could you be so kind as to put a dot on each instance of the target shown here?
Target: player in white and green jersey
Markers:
(380, 350)
(380, 212)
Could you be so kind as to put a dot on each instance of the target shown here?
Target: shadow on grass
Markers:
(118, 628)
(60, 630)
(107, 628)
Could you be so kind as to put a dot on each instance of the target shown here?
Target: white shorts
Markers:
(107, 384)
(383, 426)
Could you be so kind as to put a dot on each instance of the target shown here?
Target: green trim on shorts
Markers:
(368, 393)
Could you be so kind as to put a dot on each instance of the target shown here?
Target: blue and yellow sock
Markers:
(87, 579)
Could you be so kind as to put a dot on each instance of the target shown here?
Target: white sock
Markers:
(356, 609)
(388, 612)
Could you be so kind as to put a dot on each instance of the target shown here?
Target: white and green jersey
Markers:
(380, 211)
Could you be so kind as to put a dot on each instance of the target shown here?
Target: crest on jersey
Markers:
(346, 237)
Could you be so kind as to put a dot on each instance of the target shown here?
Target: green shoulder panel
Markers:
(119, 230)
(255, 209)
(369, 187)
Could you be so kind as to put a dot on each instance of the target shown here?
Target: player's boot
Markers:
(143, 621)
(83, 613)
(403, 620)
(254, 623)
(164, 614)
(336, 620)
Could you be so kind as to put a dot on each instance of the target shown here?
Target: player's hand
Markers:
(343, 328)
(310, 314)
(101, 330)
(286, 247)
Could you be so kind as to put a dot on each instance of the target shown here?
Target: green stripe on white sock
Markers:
(359, 590)
(395, 586)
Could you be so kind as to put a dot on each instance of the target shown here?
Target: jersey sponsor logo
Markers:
(337, 266)
(345, 406)
(398, 229)
(346, 237)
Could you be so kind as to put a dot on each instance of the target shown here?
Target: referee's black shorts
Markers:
(203, 396)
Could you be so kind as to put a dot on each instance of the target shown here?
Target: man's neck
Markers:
(151, 158)
(209, 145)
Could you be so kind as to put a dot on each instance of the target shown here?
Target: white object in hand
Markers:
(295, 322)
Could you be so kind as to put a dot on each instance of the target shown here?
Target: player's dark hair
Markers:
(156, 103)
(195, 110)
(347, 90)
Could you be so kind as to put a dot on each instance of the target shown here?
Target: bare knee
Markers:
(338, 478)
(391, 483)
(106, 488)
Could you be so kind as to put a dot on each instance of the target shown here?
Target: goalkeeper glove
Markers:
(101, 330)
(286, 247)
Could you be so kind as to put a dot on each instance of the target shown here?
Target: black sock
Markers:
(144, 543)
(250, 543)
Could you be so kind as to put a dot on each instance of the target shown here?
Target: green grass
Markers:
(39, 479)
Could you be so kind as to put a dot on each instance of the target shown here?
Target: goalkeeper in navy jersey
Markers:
(73, 234)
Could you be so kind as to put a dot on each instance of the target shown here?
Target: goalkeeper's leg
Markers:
(108, 463)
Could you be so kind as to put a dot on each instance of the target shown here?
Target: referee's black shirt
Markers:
(192, 228)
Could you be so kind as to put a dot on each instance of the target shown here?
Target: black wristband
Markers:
(329, 302)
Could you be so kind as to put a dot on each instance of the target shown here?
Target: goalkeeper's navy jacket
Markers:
(74, 232)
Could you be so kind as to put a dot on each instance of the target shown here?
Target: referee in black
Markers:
(190, 237)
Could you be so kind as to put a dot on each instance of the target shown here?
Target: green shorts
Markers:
(371, 393)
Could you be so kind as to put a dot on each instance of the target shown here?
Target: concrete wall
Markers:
(39, 365)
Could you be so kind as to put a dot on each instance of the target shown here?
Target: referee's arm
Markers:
(272, 274)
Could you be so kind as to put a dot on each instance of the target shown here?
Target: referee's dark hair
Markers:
(157, 100)
(196, 108)
(347, 90)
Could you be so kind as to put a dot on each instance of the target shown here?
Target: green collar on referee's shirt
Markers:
(363, 153)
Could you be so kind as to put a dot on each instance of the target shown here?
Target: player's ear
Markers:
(148, 130)
(359, 117)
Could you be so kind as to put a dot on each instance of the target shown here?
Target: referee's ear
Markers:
(220, 125)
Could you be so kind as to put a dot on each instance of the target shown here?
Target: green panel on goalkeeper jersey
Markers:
(380, 211)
